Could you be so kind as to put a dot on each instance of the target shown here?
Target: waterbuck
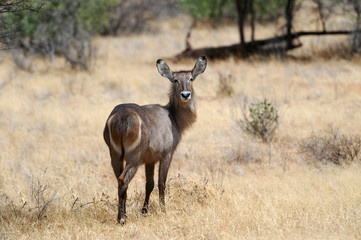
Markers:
(147, 134)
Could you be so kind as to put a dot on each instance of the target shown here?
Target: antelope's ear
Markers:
(199, 67)
(164, 70)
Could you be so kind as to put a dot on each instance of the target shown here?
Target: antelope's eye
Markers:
(175, 80)
(191, 79)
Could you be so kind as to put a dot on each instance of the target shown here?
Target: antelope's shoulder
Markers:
(156, 112)
(160, 127)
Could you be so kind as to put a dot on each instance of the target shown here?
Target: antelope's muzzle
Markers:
(186, 95)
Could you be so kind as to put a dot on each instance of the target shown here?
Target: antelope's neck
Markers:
(183, 114)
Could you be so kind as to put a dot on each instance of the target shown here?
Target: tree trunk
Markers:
(290, 7)
(242, 14)
(321, 14)
(253, 19)
(356, 41)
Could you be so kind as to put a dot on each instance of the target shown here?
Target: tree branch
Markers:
(253, 47)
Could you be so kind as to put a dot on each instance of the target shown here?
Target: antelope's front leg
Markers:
(163, 172)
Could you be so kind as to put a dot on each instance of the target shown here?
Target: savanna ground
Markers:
(56, 181)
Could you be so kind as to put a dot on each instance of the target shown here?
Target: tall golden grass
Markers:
(56, 181)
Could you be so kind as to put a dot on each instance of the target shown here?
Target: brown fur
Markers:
(147, 134)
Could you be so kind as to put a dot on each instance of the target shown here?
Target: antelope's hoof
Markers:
(122, 221)
(144, 210)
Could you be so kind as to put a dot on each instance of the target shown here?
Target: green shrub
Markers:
(95, 14)
(269, 10)
(131, 16)
(209, 9)
(261, 121)
(215, 9)
(58, 27)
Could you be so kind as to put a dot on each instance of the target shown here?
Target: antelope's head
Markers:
(182, 80)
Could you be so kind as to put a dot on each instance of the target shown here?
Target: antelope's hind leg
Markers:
(117, 161)
(131, 167)
(122, 196)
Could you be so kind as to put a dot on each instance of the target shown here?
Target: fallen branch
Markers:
(250, 48)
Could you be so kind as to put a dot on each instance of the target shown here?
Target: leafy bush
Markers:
(269, 10)
(215, 9)
(331, 147)
(263, 120)
(209, 9)
(95, 14)
(130, 16)
(64, 27)
(59, 27)
(7, 10)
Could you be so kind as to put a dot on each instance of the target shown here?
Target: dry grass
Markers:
(220, 184)
(292, 205)
(225, 85)
(331, 147)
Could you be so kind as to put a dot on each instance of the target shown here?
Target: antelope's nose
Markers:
(186, 95)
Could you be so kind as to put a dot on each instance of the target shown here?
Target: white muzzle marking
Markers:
(186, 96)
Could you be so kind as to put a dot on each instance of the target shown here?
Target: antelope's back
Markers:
(147, 128)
